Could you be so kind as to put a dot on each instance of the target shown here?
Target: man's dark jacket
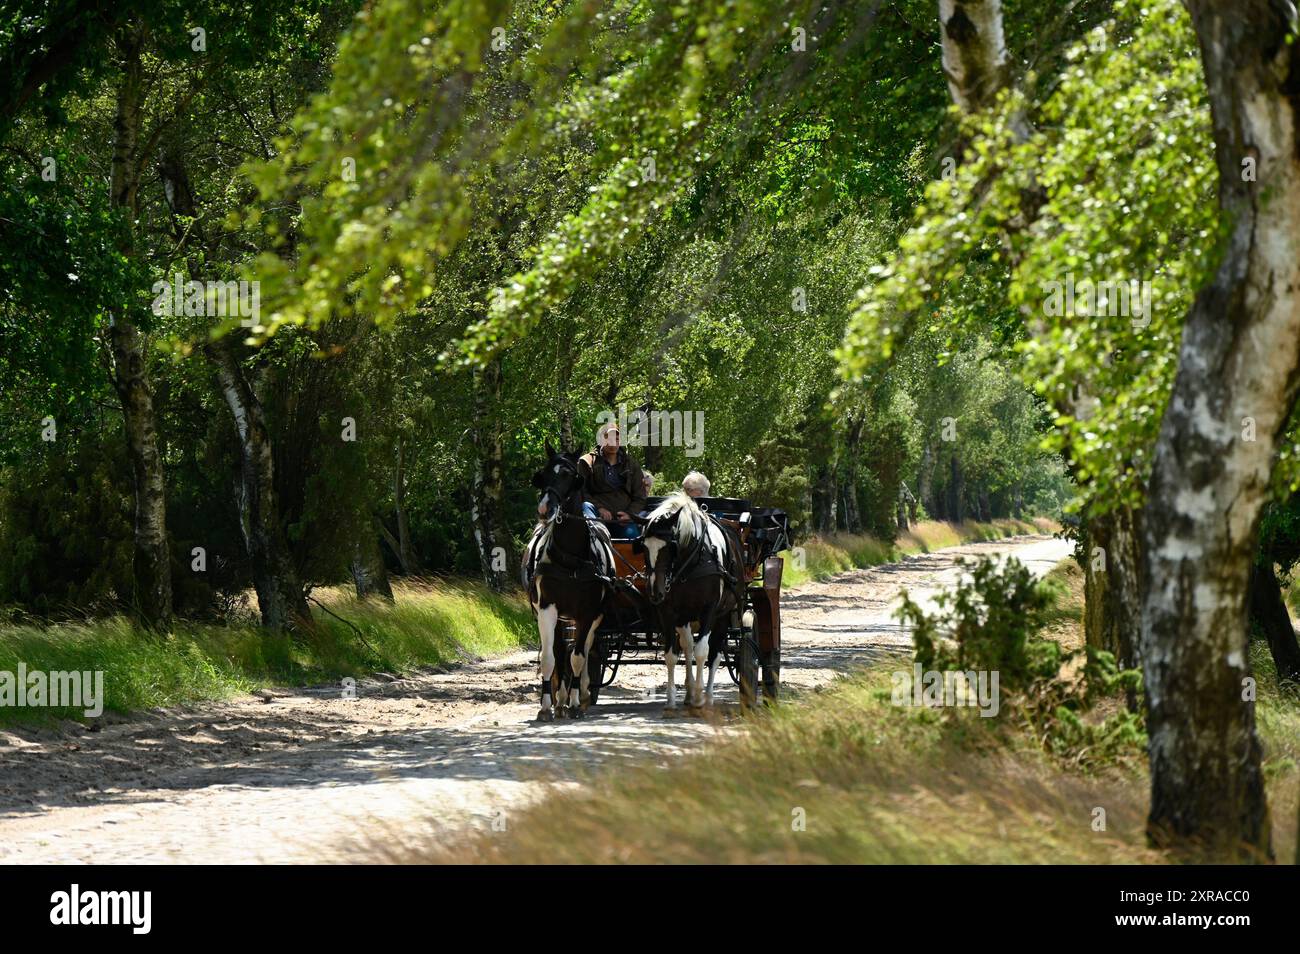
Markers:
(627, 495)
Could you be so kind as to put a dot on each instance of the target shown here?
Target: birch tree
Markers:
(1233, 394)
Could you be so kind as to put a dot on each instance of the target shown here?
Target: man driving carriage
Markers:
(614, 488)
(613, 483)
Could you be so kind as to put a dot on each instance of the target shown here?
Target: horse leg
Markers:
(717, 636)
(670, 660)
(701, 661)
(578, 667)
(714, 652)
(547, 619)
(687, 642)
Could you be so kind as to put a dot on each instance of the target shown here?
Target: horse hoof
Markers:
(545, 715)
(575, 712)
(561, 712)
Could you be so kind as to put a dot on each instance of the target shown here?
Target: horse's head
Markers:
(666, 536)
(558, 481)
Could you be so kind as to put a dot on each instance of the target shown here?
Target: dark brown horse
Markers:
(567, 569)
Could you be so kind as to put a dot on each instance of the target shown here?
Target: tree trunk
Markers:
(563, 398)
(974, 51)
(567, 443)
(985, 506)
(906, 503)
(1268, 613)
(852, 448)
(369, 574)
(152, 560)
(852, 515)
(405, 555)
(487, 513)
(823, 495)
(279, 593)
(280, 597)
(652, 454)
(1234, 390)
(956, 492)
(925, 482)
(1113, 586)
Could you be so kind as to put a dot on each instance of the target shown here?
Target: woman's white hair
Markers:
(603, 432)
(696, 481)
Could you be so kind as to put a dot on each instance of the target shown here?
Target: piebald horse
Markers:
(695, 576)
(567, 568)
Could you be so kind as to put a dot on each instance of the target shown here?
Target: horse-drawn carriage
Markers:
(702, 579)
(629, 634)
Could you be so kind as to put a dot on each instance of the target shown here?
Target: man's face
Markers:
(695, 492)
(612, 438)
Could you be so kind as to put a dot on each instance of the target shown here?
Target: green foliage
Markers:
(986, 623)
(198, 663)
(502, 205)
(776, 473)
(991, 623)
(65, 530)
(1279, 536)
(1123, 187)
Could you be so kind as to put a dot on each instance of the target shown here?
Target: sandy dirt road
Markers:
(311, 777)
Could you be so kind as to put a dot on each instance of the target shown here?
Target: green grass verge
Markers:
(825, 556)
(428, 625)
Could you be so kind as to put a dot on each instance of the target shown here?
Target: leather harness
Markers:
(700, 560)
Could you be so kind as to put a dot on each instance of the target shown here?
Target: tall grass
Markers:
(824, 556)
(842, 777)
(427, 625)
(845, 776)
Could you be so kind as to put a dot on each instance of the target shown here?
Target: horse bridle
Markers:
(678, 571)
(557, 511)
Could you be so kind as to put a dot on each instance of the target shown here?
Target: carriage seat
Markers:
(729, 508)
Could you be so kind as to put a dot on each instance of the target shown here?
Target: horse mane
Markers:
(678, 501)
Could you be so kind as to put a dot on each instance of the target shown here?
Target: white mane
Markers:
(680, 500)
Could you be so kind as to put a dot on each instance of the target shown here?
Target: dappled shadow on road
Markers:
(471, 724)
(828, 602)
(265, 749)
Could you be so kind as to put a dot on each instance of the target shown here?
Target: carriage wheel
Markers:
(596, 667)
(729, 659)
(747, 669)
(610, 647)
(771, 675)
